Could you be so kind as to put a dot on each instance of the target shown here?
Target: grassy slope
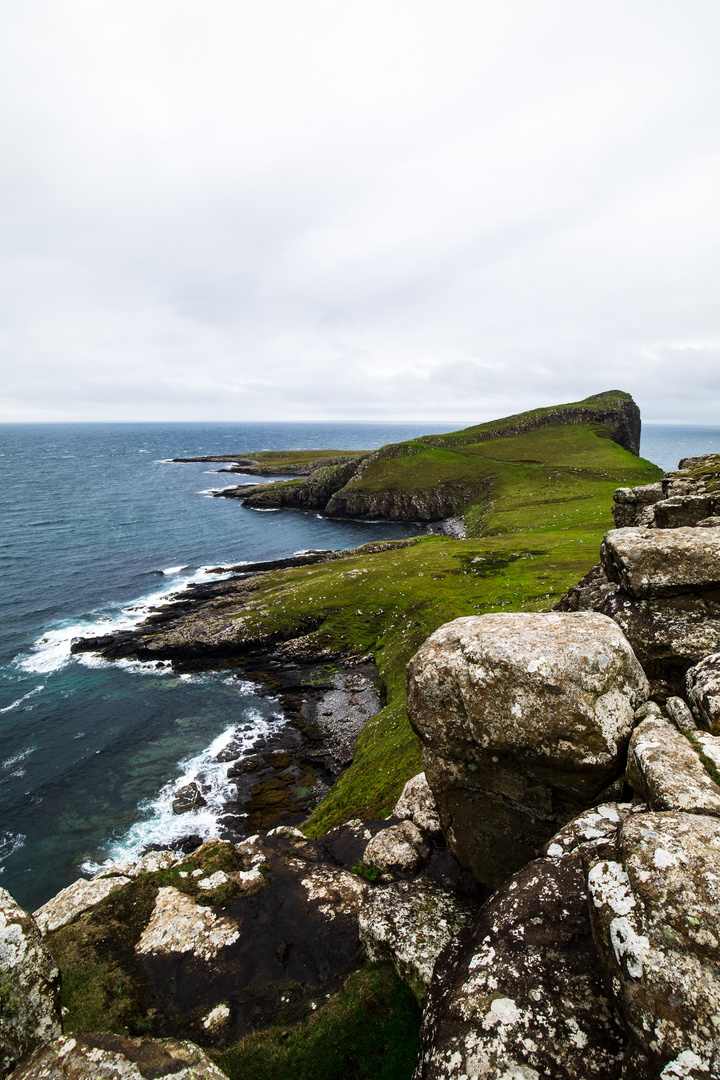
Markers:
(550, 497)
(298, 457)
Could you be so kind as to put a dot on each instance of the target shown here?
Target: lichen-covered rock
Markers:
(417, 803)
(179, 925)
(599, 823)
(681, 716)
(668, 635)
(400, 849)
(525, 720)
(702, 686)
(662, 562)
(631, 505)
(410, 923)
(76, 898)
(149, 863)
(655, 910)
(98, 1055)
(521, 996)
(682, 510)
(29, 986)
(666, 771)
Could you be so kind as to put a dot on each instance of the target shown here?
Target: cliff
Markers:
(442, 476)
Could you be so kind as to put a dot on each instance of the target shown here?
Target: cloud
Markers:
(393, 210)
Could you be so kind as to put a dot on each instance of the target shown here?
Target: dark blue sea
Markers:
(96, 526)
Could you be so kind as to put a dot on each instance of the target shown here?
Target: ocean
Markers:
(97, 526)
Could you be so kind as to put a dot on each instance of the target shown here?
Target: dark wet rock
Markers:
(651, 563)
(99, 1055)
(29, 986)
(409, 923)
(666, 771)
(702, 686)
(521, 996)
(188, 798)
(255, 931)
(525, 720)
(655, 911)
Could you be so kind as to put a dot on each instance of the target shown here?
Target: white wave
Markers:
(266, 509)
(52, 651)
(159, 824)
(10, 842)
(173, 569)
(20, 700)
(16, 759)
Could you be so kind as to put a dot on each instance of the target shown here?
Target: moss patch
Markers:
(369, 1031)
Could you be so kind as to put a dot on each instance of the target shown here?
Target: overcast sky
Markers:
(325, 209)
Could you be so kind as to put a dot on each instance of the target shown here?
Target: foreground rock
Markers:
(521, 995)
(666, 771)
(525, 720)
(655, 911)
(92, 1055)
(410, 923)
(651, 563)
(29, 986)
(702, 686)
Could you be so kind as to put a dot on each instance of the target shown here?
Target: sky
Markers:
(413, 210)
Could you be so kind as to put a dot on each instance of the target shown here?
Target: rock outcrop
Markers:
(521, 994)
(525, 720)
(29, 986)
(690, 495)
(99, 1055)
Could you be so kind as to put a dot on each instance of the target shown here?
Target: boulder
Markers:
(634, 506)
(655, 911)
(417, 803)
(76, 898)
(146, 864)
(188, 798)
(400, 849)
(409, 924)
(98, 1055)
(668, 635)
(681, 716)
(666, 771)
(662, 562)
(29, 986)
(702, 686)
(525, 720)
(682, 510)
(520, 997)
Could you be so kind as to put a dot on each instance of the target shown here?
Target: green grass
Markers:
(367, 1032)
(284, 458)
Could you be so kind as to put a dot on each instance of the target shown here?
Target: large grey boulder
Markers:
(666, 771)
(98, 1055)
(409, 924)
(702, 686)
(29, 986)
(655, 911)
(525, 719)
(662, 562)
(521, 996)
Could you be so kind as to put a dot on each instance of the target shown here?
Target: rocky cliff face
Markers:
(341, 490)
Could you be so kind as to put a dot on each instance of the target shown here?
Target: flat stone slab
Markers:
(666, 771)
(74, 900)
(98, 1055)
(662, 562)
